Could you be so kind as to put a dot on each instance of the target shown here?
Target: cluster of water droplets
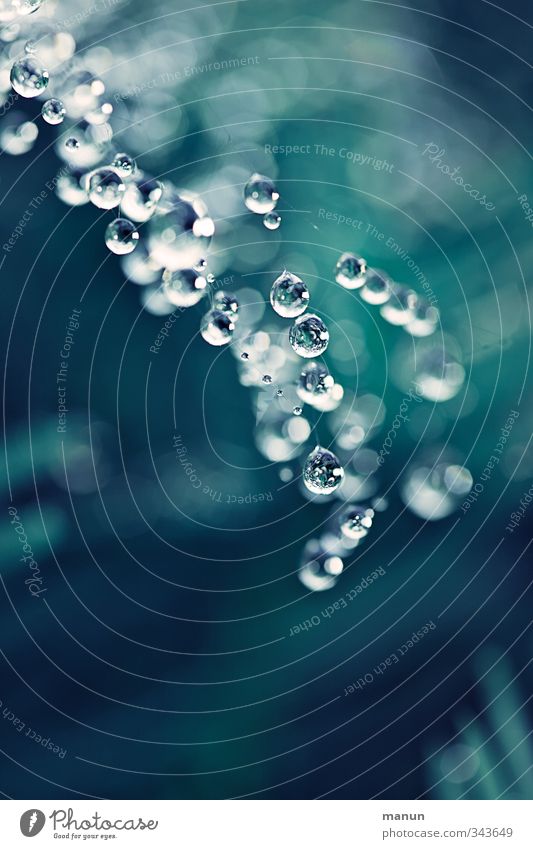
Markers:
(399, 304)
(163, 235)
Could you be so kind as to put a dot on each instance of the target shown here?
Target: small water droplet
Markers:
(350, 271)
(124, 164)
(355, 521)
(272, 220)
(377, 288)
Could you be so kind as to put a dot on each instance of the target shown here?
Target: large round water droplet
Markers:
(260, 194)
(184, 288)
(28, 78)
(309, 336)
(217, 328)
(289, 295)
(355, 521)
(121, 237)
(377, 288)
(105, 188)
(53, 111)
(179, 234)
(322, 473)
(350, 271)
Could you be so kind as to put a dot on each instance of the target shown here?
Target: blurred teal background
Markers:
(160, 657)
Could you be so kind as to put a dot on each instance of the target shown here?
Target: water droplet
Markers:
(326, 402)
(180, 233)
(155, 301)
(17, 140)
(53, 111)
(29, 47)
(380, 503)
(11, 9)
(184, 288)
(97, 87)
(226, 303)
(267, 378)
(26, 7)
(124, 164)
(279, 393)
(245, 355)
(121, 237)
(350, 271)
(28, 78)
(140, 268)
(70, 190)
(438, 374)
(100, 115)
(105, 188)
(297, 411)
(320, 568)
(141, 198)
(400, 307)
(425, 319)
(289, 295)
(260, 194)
(376, 290)
(11, 31)
(217, 328)
(322, 473)
(314, 381)
(201, 265)
(355, 521)
(433, 492)
(309, 336)
(272, 220)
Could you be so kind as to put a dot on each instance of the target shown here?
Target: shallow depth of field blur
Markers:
(174, 648)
